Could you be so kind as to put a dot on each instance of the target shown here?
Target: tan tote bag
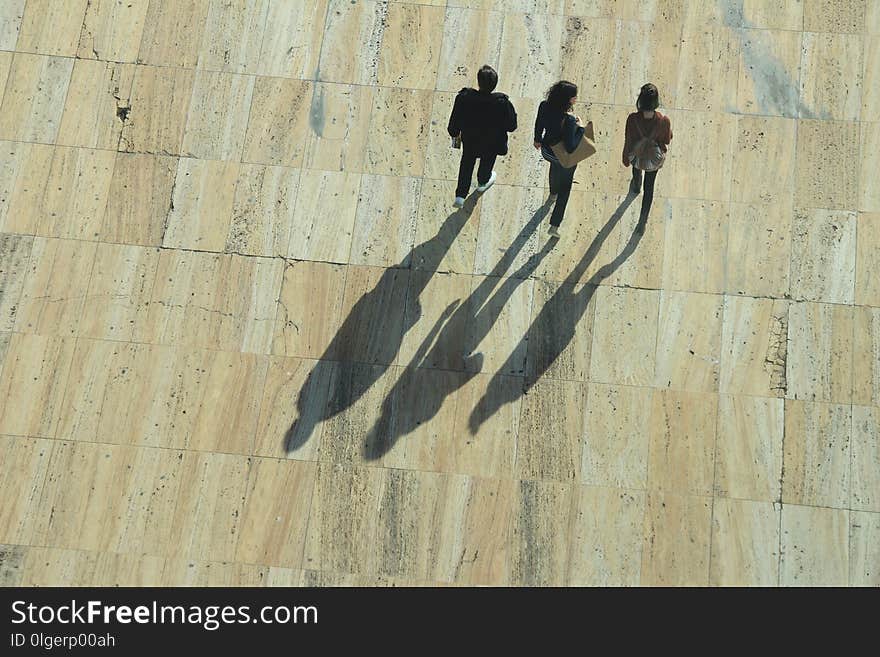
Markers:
(585, 148)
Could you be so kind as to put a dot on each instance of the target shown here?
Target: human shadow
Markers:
(446, 359)
(555, 325)
(373, 331)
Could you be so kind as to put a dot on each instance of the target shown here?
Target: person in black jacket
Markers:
(481, 120)
(556, 123)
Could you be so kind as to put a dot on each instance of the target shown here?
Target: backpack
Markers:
(647, 154)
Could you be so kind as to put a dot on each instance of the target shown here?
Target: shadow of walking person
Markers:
(453, 339)
(372, 333)
(555, 325)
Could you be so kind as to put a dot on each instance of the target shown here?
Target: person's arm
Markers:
(454, 127)
(539, 125)
(666, 135)
(571, 133)
(511, 117)
(627, 140)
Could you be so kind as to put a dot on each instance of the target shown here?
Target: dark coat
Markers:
(483, 121)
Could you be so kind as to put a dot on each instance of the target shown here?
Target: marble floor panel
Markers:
(247, 340)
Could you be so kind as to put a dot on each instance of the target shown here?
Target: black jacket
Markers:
(550, 129)
(483, 121)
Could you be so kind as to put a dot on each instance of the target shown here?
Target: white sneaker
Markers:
(489, 183)
(458, 202)
(554, 232)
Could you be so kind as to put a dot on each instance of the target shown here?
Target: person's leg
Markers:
(648, 196)
(636, 184)
(487, 162)
(565, 181)
(554, 178)
(465, 171)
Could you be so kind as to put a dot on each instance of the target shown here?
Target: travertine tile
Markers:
(12, 558)
(745, 543)
(139, 200)
(309, 308)
(292, 38)
(759, 244)
(54, 567)
(34, 99)
(344, 520)
(815, 546)
(865, 482)
(492, 452)
(763, 160)
(866, 356)
(864, 556)
(233, 34)
(410, 49)
(5, 64)
(441, 160)
(509, 224)
(470, 39)
(831, 75)
(294, 403)
(551, 454)
(51, 28)
(445, 237)
(769, 69)
(686, 174)
(52, 300)
(97, 104)
(629, 258)
(25, 462)
(276, 513)
(606, 537)
(384, 226)
(820, 352)
(530, 56)
(10, 23)
(4, 346)
(160, 101)
(324, 217)
(560, 336)
(778, 14)
(826, 164)
(363, 23)
(689, 341)
(677, 536)
(624, 336)
(817, 454)
(277, 125)
(218, 116)
(112, 30)
(869, 189)
(472, 545)
(871, 72)
(15, 254)
(696, 245)
(522, 165)
(119, 292)
(823, 256)
(398, 135)
(540, 533)
(681, 454)
(872, 19)
(616, 436)
(339, 121)
(834, 16)
(173, 33)
(263, 210)
(753, 347)
(578, 257)
(214, 301)
(187, 572)
(587, 46)
(748, 449)
(708, 68)
(647, 51)
(201, 205)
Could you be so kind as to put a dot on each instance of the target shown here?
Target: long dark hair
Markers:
(649, 98)
(560, 94)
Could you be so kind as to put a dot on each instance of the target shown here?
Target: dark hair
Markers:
(560, 94)
(649, 98)
(487, 78)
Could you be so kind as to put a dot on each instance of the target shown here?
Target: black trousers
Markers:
(561, 180)
(648, 196)
(466, 169)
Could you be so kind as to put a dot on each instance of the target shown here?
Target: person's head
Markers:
(649, 98)
(562, 95)
(487, 78)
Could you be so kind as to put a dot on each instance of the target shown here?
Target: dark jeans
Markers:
(466, 170)
(648, 196)
(561, 180)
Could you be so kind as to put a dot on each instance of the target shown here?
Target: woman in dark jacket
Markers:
(556, 123)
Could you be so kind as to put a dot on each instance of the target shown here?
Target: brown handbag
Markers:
(585, 148)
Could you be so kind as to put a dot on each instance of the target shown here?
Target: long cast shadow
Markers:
(451, 344)
(555, 325)
(373, 331)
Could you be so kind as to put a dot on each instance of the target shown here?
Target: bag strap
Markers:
(653, 128)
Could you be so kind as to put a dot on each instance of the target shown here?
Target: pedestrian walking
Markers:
(479, 123)
(557, 127)
(647, 137)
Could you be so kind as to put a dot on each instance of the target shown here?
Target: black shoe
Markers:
(635, 186)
